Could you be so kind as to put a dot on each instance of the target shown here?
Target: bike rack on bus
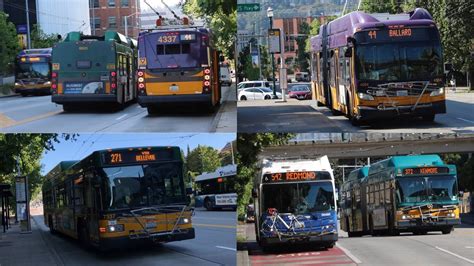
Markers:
(426, 216)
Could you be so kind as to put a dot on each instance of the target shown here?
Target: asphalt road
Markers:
(407, 249)
(303, 116)
(214, 245)
(39, 114)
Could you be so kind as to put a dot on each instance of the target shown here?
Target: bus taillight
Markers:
(113, 81)
(54, 83)
(207, 71)
(141, 83)
(207, 80)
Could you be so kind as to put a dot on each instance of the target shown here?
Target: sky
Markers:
(85, 144)
(158, 4)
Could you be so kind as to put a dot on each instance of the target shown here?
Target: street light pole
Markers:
(28, 36)
(270, 16)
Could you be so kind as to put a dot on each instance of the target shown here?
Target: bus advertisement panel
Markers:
(33, 72)
(416, 193)
(295, 202)
(178, 64)
(382, 66)
(91, 69)
(117, 197)
(216, 190)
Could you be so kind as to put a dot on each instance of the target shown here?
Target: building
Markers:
(61, 17)
(113, 15)
(16, 11)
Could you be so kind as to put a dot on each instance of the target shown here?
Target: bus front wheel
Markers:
(428, 118)
(330, 245)
(447, 230)
(208, 204)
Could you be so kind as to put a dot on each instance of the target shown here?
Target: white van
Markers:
(225, 76)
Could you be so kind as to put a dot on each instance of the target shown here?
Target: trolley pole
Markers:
(28, 36)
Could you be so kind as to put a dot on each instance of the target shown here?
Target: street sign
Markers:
(255, 7)
(21, 29)
(274, 40)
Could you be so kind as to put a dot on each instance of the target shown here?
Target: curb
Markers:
(9, 96)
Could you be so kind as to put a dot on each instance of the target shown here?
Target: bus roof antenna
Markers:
(171, 10)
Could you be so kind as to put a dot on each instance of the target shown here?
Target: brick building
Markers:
(111, 15)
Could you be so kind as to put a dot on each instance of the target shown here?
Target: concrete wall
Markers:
(61, 17)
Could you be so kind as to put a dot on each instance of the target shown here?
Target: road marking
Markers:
(233, 249)
(456, 255)
(465, 120)
(216, 225)
(469, 247)
(120, 117)
(349, 254)
(6, 121)
(34, 118)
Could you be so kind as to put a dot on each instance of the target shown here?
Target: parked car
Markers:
(302, 76)
(300, 92)
(226, 76)
(261, 93)
(253, 84)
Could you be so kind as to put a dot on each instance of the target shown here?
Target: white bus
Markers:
(295, 202)
(216, 190)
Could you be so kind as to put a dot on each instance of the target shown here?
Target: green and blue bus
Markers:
(91, 69)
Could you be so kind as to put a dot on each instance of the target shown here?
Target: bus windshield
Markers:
(32, 70)
(298, 198)
(403, 61)
(143, 185)
(436, 189)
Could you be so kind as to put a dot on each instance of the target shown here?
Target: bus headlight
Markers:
(47, 83)
(17, 84)
(404, 217)
(115, 228)
(451, 214)
(437, 92)
(184, 220)
(365, 96)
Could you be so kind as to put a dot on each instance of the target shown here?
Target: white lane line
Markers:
(349, 254)
(233, 249)
(120, 117)
(469, 247)
(456, 255)
(465, 120)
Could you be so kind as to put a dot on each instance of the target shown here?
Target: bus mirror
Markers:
(60, 37)
(348, 53)
(189, 191)
(254, 193)
(221, 58)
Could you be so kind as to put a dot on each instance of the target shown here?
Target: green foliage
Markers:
(27, 149)
(465, 168)
(301, 54)
(221, 16)
(381, 6)
(9, 46)
(249, 147)
(246, 69)
(203, 159)
(39, 39)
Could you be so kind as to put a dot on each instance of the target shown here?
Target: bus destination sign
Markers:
(295, 176)
(426, 171)
(136, 156)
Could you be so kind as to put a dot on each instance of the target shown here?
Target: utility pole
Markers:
(28, 36)
(93, 16)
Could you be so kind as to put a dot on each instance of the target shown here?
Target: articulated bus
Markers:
(375, 66)
(295, 202)
(91, 69)
(33, 72)
(178, 65)
(120, 197)
(216, 190)
(402, 194)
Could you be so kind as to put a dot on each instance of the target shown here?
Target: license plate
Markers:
(174, 88)
(150, 225)
(104, 78)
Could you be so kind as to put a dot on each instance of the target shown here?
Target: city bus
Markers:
(92, 69)
(295, 202)
(120, 197)
(374, 66)
(416, 193)
(178, 65)
(353, 202)
(216, 190)
(33, 72)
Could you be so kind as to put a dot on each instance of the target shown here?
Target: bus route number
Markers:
(167, 39)
(115, 158)
(276, 177)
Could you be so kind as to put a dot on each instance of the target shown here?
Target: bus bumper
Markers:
(150, 100)
(430, 225)
(316, 239)
(124, 242)
(374, 113)
(84, 98)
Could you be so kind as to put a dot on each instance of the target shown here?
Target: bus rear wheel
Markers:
(447, 230)
(152, 110)
(428, 118)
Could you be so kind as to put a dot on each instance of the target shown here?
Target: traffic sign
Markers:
(274, 40)
(255, 7)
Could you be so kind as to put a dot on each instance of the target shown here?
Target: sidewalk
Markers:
(227, 116)
(25, 249)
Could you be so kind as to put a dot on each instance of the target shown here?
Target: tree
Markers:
(39, 39)
(26, 149)
(249, 147)
(203, 159)
(221, 16)
(9, 46)
(301, 54)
